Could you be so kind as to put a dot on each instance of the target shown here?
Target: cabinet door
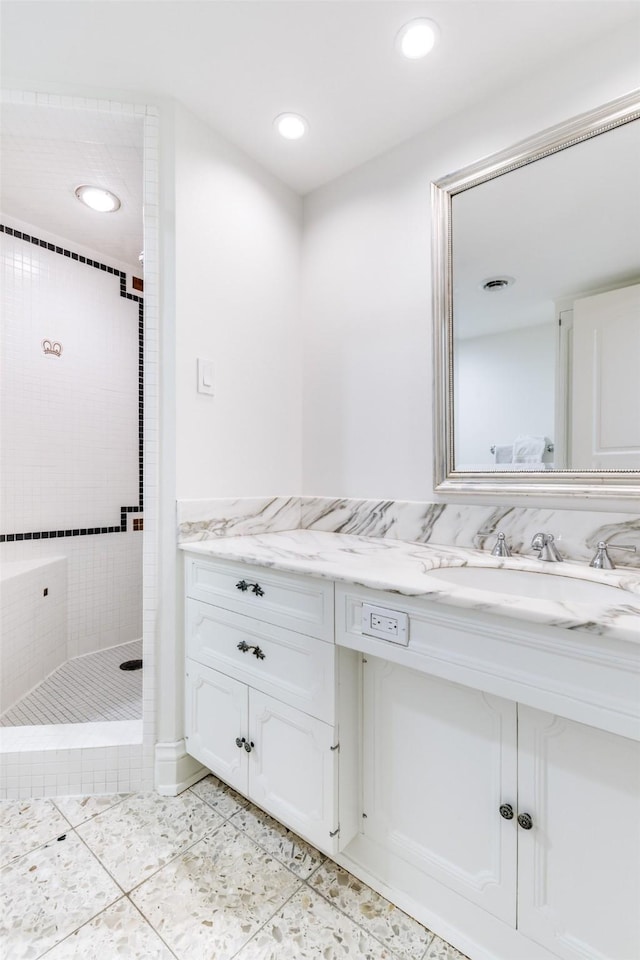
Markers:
(216, 714)
(579, 864)
(292, 769)
(439, 760)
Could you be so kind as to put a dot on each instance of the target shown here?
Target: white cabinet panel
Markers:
(216, 714)
(291, 666)
(439, 759)
(297, 603)
(579, 865)
(292, 769)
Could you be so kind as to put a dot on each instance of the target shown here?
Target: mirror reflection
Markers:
(546, 312)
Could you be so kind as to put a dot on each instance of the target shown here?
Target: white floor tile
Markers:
(208, 903)
(135, 838)
(118, 933)
(48, 894)
(26, 825)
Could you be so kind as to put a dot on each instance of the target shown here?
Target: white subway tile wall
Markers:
(33, 625)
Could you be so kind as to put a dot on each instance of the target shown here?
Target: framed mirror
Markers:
(536, 279)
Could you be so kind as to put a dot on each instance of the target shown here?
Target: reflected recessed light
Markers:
(291, 126)
(497, 283)
(417, 38)
(97, 198)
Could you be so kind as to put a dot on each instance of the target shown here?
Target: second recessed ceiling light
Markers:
(291, 126)
(417, 38)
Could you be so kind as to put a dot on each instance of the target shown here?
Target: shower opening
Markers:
(71, 425)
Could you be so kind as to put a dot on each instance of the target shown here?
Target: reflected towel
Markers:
(529, 449)
(503, 453)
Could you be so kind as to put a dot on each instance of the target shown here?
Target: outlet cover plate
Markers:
(385, 624)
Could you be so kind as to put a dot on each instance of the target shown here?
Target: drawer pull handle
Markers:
(240, 741)
(254, 587)
(506, 811)
(244, 647)
(525, 820)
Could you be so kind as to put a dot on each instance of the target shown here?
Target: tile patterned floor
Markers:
(202, 876)
(86, 689)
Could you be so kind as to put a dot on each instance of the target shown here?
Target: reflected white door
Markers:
(606, 387)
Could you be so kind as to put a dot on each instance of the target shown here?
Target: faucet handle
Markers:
(547, 550)
(602, 560)
(501, 547)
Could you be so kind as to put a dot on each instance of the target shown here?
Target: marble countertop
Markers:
(402, 567)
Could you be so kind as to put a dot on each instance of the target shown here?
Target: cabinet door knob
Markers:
(506, 811)
(525, 821)
(249, 746)
(240, 741)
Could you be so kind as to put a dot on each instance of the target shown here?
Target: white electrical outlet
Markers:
(385, 624)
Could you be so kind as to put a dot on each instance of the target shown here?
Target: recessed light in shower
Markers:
(417, 38)
(98, 198)
(291, 126)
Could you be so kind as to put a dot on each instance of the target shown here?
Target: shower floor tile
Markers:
(86, 689)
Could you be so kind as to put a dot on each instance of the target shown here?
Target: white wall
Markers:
(367, 289)
(505, 387)
(237, 255)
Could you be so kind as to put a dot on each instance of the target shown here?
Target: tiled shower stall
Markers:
(72, 543)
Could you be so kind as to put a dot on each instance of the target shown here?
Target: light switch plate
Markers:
(205, 376)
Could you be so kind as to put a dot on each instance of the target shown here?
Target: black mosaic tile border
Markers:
(138, 508)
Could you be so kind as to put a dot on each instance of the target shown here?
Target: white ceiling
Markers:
(49, 151)
(239, 63)
(563, 227)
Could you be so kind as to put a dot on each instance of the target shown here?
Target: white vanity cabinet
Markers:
(260, 696)
(579, 865)
(480, 799)
(484, 775)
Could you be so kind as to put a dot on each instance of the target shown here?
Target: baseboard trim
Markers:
(175, 769)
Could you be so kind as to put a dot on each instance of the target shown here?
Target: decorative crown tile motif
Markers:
(53, 349)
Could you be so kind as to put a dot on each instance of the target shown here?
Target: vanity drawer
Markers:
(296, 603)
(293, 668)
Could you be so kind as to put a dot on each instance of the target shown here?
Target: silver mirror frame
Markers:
(607, 483)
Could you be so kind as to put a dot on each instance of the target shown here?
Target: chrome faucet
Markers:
(547, 550)
(501, 547)
(602, 560)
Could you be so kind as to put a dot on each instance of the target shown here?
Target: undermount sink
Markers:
(526, 583)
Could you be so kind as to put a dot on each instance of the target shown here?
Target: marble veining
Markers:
(472, 526)
(204, 519)
(402, 567)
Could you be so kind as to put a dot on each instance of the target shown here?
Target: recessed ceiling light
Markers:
(98, 199)
(417, 38)
(291, 126)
